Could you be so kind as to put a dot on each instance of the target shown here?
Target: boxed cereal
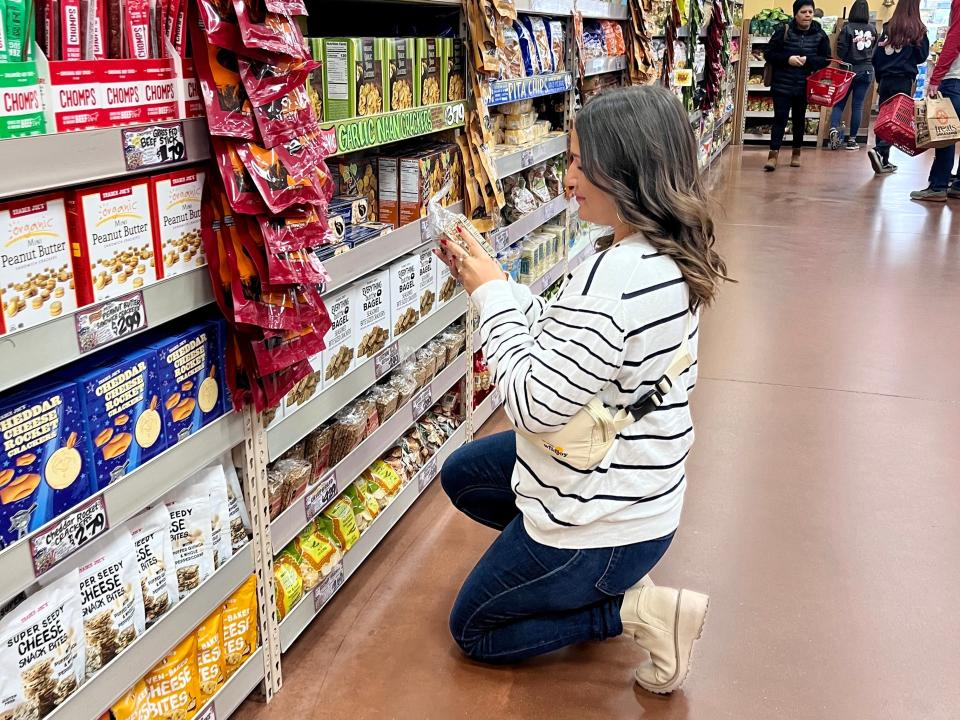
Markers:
(427, 76)
(388, 203)
(427, 281)
(401, 54)
(36, 270)
(453, 69)
(354, 77)
(190, 365)
(340, 351)
(446, 285)
(404, 294)
(45, 463)
(121, 401)
(112, 239)
(371, 314)
(175, 199)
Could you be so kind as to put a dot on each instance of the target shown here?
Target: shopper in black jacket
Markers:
(855, 46)
(902, 47)
(796, 50)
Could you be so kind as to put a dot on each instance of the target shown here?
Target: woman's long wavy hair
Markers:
(637, 144)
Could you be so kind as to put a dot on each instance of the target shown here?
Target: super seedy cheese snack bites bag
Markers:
(239, 518)
(150, 531)
(213, 481)
(211, 659)
(240, 624)
(41, 650)
(174, 684)
(190, 526)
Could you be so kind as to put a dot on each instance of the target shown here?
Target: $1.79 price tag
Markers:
(153, 145)
(110, 321)
(71, 532)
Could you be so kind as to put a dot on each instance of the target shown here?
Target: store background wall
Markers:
(829, 7)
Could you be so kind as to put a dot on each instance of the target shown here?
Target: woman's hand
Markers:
(471, 266)
(797, 60)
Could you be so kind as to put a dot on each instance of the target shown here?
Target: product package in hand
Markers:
(443, 223)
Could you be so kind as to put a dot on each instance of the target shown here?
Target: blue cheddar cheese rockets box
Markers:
(190, 364)
(121, 402)
(45, 463)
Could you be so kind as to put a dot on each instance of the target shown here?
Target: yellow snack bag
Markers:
(385, 476)
(239, 625)
(344, 522)
(289, 582)
(135, 705)
(211, 659)
(174, 685)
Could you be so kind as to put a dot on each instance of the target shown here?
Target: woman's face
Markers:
(804, 17)
(596, 206)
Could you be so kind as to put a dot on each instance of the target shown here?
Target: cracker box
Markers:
(354, 209)
(401, 55)
(429, 87)
(453, 69)
(388, 200)
(427, 282)
(122, 403)
(353, 78)
(45, 463)
(190, 365)
(340, 353)
(404, 294)
(421, 175)
(175, 198)
(371, 315)
(36, 270)
(446, 285)
(112, 239)
(358, 177)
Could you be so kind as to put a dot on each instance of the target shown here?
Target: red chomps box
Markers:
(75, 92)
(138, 91)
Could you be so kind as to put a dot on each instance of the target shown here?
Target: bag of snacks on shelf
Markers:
(41, 650)
(286, 117)
(365, 509)
(298, 228)
(241, 192)
(541, 41)
(317, 451)
(373, 492)
(557, 40)
(277, 492)
(288, 581)
(537, 183)
(190, 524)
(269, 31)
(415, 452)
(289, 7)
(298, 474)
(405, 384)
(239, 517)
(174, 684)
(349, 430)
(387, 400)
(342, 522)
(133, 705)
(432, 432)
(213, 479)
(278, 187)
(318, 555)
(386, 476)
(528, 50)
(229, 111)
(150, 531)
(553, 180)
(609, 37)
(268, 81)
(511, 58)
(240, 630)
(211, 659)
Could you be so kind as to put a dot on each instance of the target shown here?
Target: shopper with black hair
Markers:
(797, 49)
(855, 46)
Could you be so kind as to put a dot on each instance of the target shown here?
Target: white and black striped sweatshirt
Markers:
(612, 331)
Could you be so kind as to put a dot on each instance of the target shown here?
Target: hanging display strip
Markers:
(515, 232)
(527, 156)
(374, 254)
(29, 353)
(120, 501)
(95, 696)
(46, 162)
(504, 91)
(301, 615)
(603, 10)
(296, 426)
(292, 520)
(598, 66)
(361, 133)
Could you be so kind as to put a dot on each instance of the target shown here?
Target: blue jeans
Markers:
(523, 598)
(861, 83)
(943, 157)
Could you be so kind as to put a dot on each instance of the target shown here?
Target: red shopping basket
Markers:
(829, 86)
(895, 124)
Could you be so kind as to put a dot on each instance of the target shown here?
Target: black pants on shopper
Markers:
(886, 89)
(784, 106)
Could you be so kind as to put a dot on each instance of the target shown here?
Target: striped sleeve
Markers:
(546, 379)
(531, 305)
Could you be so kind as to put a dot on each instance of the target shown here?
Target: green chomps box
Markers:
(21, 104)
(354, 77)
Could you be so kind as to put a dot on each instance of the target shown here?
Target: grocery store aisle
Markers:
(821, 513)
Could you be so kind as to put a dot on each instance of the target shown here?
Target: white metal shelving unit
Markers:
(517, 160)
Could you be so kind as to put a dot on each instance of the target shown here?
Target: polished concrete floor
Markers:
(822, 512)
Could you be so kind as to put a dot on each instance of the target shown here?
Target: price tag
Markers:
(496, 398)
(326, 588)
(454, 114)
(427, 473)
(68, 534)
(153, 145)
(321, 495)
(683, 77)
(422, 402)
(526, 158)
(499, 238)
(386, 360)
(208, 713)
(110, 321)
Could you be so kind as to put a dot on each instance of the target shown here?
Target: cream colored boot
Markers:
(771, 163)
(665, 622)
(795, 158)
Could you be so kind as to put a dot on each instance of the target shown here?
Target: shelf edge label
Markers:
(210, 713)
(110, 321)
(421, 402)
(327, 587)
(386, 360)
(322, 494)
(153, 145)
(427, 473)
(366, 132)
(68, 534)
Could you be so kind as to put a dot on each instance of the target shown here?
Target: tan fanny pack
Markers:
(587, 437)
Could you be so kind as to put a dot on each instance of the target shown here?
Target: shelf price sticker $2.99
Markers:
(110, 321)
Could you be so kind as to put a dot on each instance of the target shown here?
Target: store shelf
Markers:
(32, 352)
(376, 253)
(758, 88)
(580, 254)
(766, 137)
(132, 493)
(291, 521)
(296, 426)
(306, 610)
(235, 690)
(759, 39)
(548, 278)
(487, 407)
(544, 7)
(45, 162)
(504, 91)
(505, 237)
(811, 115)
(600, 10)
(598, 66)
(362, 133)
(99, 693)
(526, 156)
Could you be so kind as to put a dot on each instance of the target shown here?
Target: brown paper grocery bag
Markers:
(937, 122)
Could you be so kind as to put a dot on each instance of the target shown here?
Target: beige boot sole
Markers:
(690, 618)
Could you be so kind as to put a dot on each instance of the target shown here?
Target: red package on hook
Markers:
(278, 186)
(269, 31)
(266, 81)
(285, 117)
(136, 28)
(240, 189)
(229, 111)
(295, 229)
(289, 7)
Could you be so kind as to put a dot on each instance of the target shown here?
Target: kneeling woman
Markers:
(575, 546)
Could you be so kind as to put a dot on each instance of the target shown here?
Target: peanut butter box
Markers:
(176, 198)
(191, 369)
(45, 463)
(122, 403)
(112, 239)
